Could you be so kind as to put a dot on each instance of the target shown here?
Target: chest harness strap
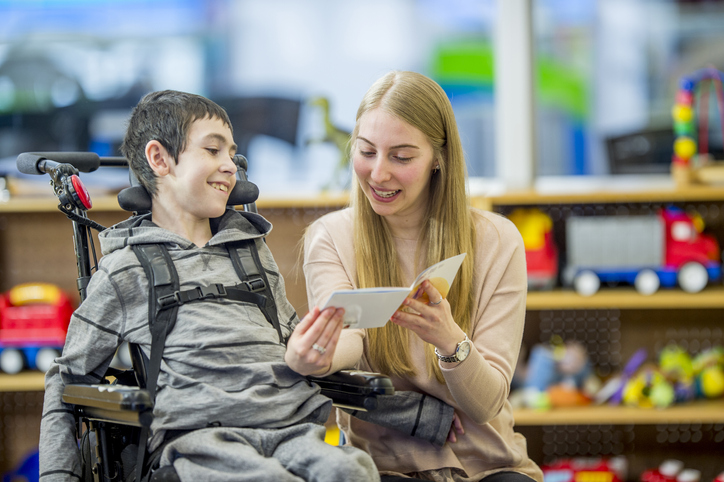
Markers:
(165, 297)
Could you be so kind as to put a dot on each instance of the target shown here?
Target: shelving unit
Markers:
(613, 324)
(36, 245)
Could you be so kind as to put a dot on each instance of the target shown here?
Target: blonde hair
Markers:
(448, 230)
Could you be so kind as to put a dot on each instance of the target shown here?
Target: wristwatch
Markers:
(461, 352)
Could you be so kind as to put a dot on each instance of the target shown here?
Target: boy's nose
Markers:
(228, 166)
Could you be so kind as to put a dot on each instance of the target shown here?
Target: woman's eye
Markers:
(367, 153)
(212, 151)
(403, 159)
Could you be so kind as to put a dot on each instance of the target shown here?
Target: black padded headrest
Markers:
(137, 199)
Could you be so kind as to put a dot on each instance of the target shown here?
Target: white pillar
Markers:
(514, 107)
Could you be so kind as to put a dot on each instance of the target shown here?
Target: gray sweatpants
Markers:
(296, 453)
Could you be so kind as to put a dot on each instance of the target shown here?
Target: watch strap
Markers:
(454, 357)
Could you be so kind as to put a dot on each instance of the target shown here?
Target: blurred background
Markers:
(290, 73)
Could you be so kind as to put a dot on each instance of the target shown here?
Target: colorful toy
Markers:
(665, 472)
(691, 161)
(588, 469)
(541, 252)
(647, 251)
(557, 374)
(648, 389)
(34, 320)
(708, 367)
(676, 366)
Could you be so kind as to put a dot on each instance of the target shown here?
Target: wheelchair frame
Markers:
(113, 413)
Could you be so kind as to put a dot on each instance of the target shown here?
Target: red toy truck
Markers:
(34, 320)
(646, 251)
(541, 252)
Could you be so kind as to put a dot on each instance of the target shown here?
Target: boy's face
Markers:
(205, 173)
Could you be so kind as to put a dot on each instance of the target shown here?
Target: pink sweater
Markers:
(477, 388)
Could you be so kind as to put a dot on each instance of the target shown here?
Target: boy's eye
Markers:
(213, 151)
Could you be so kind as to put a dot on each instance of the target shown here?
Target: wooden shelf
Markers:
(530, 197)
(626, 298)
(340, 199)
(26, 381)
(110, 203)
(694, 412)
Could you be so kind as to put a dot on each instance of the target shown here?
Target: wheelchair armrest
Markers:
(354, 389)
(111, 403)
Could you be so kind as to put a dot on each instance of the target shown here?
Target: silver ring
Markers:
(320, 349)
(436, 302)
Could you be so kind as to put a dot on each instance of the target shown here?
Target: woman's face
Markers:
(393, 162)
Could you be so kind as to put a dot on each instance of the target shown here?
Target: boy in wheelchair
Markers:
(231, 398)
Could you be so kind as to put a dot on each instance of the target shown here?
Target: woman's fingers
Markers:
(433, 294)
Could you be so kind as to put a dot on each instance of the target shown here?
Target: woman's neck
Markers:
(405, 227)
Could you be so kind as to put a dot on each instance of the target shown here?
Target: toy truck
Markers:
(34, 320)
(647, 251)
(541, 252)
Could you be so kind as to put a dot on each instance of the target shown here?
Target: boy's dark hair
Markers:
(165, 116)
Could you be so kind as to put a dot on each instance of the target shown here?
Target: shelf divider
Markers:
(626, 298)
(700, 411)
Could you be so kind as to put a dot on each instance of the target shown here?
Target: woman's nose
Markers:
(379, 170)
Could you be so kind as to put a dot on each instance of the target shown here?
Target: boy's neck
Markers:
(196, 230)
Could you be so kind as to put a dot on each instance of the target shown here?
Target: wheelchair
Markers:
(110, 417)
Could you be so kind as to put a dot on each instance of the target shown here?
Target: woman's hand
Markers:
(457, 426)
(310, 349)
(432, 322)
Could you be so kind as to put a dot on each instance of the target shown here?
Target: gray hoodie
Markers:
(223, 362)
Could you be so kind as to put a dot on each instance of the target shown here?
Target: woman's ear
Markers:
(158, 158)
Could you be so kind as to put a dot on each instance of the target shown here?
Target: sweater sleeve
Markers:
(412, 413)
(327, 267)
(480, 385)
(93, 335)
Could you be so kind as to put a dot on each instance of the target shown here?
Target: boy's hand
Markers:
(457, 426)
(310, 349)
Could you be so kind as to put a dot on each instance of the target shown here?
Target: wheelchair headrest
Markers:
(137, 199)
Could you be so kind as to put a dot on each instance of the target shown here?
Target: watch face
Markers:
(463, 350)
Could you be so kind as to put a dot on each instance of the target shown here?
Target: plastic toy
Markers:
(647, 251)
(541, 252)
(34, 321)
(28, 470)
(557, 374)
(666, 472)
(588, 469)
(648, 389)
(691, 161)
(612, 391)
(711, 382)
(676, 365)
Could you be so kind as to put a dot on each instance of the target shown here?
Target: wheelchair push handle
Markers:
(39, 163)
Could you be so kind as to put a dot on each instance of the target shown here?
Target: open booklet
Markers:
(373, 307)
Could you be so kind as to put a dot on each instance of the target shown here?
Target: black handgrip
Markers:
(30, 162)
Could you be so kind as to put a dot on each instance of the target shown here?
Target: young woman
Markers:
(409, 209)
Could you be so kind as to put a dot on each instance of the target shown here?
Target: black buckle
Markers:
(255, 285)
(213, 291)
(169, 300)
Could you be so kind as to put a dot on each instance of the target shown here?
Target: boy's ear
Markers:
(158, 158)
